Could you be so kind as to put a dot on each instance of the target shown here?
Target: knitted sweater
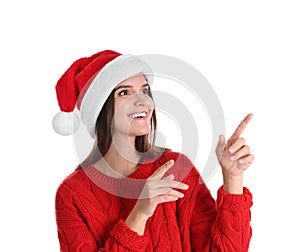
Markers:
(91, 208)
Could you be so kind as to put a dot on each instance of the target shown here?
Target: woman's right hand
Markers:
(156, 190)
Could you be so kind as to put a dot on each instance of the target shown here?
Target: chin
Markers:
(140, 132)
(139, 129)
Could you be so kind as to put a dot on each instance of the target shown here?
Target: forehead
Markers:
(135, 81)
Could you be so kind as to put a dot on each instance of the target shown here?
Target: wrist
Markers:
(136, 221)
(233, 184)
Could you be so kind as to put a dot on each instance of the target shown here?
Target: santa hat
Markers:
(88, 83)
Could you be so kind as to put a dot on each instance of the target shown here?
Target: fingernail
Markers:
(185, 186)
(231, 150)
(181, 195)
(232, 158)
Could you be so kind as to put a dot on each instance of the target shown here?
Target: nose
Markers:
(142, 100)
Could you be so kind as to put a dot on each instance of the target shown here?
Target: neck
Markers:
(121, 157)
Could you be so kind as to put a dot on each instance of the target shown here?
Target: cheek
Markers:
(118, 104)
(121, 111)
(150, 102)
(121, 106)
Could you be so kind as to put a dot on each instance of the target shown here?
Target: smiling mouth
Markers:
(138, 115)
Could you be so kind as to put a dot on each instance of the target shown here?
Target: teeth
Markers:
(135, 115)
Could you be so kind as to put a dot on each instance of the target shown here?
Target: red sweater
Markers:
(91, 219)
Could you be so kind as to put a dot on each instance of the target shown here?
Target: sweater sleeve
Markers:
(75, 234)
(221, 225)
(231, 230)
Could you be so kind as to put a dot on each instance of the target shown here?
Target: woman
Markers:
(129, 195)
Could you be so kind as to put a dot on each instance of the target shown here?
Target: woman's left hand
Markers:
(234, 155)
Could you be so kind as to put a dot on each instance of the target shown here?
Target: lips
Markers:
(135, 115)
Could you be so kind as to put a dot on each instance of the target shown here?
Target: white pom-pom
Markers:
(65, 123)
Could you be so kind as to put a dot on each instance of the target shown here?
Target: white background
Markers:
(248, 50)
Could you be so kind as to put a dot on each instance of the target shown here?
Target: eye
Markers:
(145, 91)
(123, 93)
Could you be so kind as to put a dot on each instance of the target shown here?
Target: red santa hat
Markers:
(88, 83)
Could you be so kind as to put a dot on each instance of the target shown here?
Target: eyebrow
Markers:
(129, 86)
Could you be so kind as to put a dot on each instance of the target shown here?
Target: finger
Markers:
(160, 172)
(164, 191)
(247, 160)
(239, 143)
(242, 152)
(241, 127)
(170, 177)
(170, 184)
(220, 146)
(221, 142)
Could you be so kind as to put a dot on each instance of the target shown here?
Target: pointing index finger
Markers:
(160, 172)
(241, 127)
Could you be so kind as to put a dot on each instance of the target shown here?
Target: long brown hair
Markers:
(103, 134)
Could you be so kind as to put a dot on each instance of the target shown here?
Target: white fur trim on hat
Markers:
(116, 71)
(65, 123)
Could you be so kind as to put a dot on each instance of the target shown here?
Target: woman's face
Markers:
(133, 107)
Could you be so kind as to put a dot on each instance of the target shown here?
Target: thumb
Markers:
(220, 146)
